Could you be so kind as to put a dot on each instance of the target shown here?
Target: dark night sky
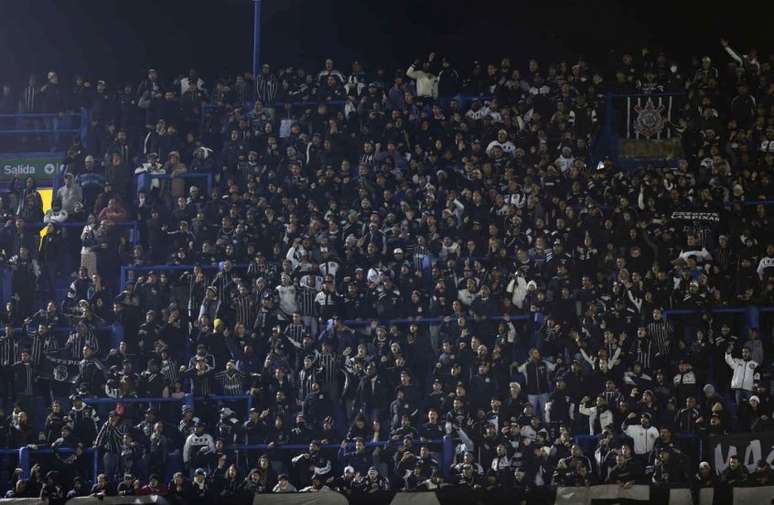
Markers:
(115, 39)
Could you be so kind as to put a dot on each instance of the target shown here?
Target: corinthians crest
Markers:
(650, 120)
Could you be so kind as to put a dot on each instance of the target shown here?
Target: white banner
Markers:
(753, 495)
(584, 495)
(421, 498)
(321, 498)
(682, 497)
(117, 500)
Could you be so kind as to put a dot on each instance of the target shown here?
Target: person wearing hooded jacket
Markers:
(427, 81)
(743, 377)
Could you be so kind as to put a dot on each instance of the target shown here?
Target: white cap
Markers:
(753, 397)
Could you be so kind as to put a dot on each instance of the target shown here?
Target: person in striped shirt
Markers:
(110, 441)
(76, 341)
(230, 381)
(306, 296)
(662, 333)
(244, 306)
(10, 352)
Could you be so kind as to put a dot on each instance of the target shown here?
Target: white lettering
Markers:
(752, 454)
(721, 462)
(20, 169)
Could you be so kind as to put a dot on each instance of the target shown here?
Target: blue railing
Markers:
(25, 454)
(430, 320)
(143, 181)
(53, 124)
(133, 227)
(588, 444)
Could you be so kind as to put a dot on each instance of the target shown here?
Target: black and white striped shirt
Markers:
(644, 352)
(367, 159)
(29, 100)
(306, 377)
(40, 345)
(170, 371)
(110, 437)
(305, 299)
(245, 309)
(661, 332)
(9, 350)
(266, 89)
(230, 383)
(201, 385)
(75, 343)
(295, 332)
(221, 282)
(329, 366)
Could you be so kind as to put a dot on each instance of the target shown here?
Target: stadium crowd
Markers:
(402, 258)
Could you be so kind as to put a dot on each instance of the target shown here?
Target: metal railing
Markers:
(49, 124)
(144, 180)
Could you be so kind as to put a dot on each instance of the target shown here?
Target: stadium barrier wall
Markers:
(451, 495)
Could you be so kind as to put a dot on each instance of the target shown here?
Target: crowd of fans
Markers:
(402, 258)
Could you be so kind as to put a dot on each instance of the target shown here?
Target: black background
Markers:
(118, 39)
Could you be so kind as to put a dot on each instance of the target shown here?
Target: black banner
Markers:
(749, 447)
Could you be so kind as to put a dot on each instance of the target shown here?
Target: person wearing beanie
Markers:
(752, 416)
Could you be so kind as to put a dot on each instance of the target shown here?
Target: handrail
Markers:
(96, 400)
(25, 453)
(40, 130)
(295, 447)
(248, 105)
(651, 95)
(76, 224)
(40, 114)
(54, 129)
(144, 178)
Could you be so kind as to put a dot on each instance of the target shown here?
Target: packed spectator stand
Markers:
(367, 281)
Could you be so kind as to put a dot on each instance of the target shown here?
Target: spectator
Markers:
(538, 384)
(744, 370)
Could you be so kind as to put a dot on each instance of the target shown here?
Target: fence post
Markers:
(134, 234)
(447, 456)
(85, 124)
(24, 462)
(95, 464)
(122, 282)
(752, 317)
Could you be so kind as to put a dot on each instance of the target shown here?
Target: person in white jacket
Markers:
(644, 435)
(600, 416)
(427, 82)
(744, 374)
(198, 446)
